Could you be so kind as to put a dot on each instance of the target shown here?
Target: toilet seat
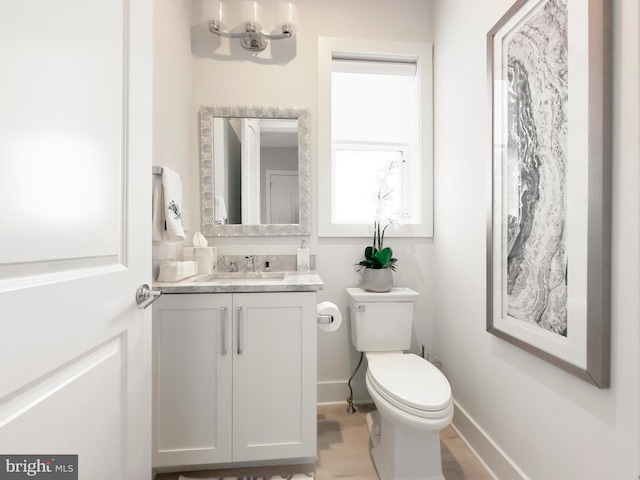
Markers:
(410, 383)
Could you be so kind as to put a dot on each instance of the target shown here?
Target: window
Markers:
(374, 126)
(355, 200)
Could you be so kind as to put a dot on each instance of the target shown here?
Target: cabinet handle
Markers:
(239, 310)
(224, 330)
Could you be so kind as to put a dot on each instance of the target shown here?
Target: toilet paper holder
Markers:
(328, 316)
(325, 318)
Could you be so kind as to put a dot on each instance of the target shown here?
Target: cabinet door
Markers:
(192, 379)
(274, 390)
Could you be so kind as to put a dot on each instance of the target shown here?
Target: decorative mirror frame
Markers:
(209, 228)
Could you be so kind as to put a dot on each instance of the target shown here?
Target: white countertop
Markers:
(290, 282)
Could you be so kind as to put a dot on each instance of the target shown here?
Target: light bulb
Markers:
(215, 10)
(287, 15)
(250, 12)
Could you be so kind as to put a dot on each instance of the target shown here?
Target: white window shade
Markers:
(385, 116)
(374, 109)
(374, 122)
(378, 65)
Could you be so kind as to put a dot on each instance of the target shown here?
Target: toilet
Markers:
(412, 397)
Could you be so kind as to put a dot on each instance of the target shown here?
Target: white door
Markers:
(250, 173)
(75, 176)
(283, 198)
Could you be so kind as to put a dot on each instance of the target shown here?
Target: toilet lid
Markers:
(409, 380)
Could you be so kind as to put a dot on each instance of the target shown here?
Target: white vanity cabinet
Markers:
(234, 378)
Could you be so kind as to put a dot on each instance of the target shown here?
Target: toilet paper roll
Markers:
(329, 308)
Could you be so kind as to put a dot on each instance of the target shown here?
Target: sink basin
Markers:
(227, 276)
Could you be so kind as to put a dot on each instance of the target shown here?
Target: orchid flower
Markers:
(386, 214)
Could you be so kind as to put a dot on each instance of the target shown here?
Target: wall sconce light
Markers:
(252, 38)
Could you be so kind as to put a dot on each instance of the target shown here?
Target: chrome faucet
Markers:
(233, 266)
(250, 267)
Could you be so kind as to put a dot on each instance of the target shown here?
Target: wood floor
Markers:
(343, 452)
(343, 449)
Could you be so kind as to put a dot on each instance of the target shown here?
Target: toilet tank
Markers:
(381, 322)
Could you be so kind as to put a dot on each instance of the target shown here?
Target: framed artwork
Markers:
(548, 248)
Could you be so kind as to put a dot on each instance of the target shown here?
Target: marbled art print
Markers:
(536, 72)
(549, 65)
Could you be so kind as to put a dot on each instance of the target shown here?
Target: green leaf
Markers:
(383, 256)
(378, 258)
(369, 253)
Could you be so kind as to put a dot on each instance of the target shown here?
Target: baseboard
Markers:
(494, 459)
(338, 391)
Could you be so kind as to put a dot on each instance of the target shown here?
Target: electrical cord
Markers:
(350, 407)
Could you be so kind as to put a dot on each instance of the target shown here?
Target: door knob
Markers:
(145, 296)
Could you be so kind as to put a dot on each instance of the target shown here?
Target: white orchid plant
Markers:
(386, 214)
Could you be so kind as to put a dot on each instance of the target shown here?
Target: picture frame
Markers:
(548, 215)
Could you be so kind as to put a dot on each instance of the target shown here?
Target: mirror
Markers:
(254, 171)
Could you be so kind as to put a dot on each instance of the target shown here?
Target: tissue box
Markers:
(206, 258)
(176, 271)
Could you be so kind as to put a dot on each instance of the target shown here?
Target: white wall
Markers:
(172, 84)
(171, 95)
(551, 425)
(286, 74)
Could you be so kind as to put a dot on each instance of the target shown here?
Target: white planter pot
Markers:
(377, 280)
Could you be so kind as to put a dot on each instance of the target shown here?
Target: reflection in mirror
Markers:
(255, 162)
(254, 171)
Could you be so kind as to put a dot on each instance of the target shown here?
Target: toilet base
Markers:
(404, 454)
